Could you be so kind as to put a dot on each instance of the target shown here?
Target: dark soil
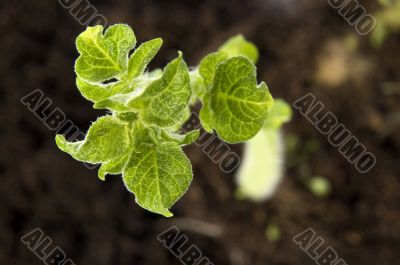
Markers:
(98, 222)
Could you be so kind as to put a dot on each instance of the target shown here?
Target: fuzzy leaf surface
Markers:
(106, 139)
(104, 57)
(239, 46)
(158, 175)
(236, 107)
(142, 57)
(280, 113)
(165, 100)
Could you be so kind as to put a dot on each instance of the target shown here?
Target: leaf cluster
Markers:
(140, 138)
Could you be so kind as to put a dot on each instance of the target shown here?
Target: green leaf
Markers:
(207, 69)
(165, 100)
(107, 139)
(260, 170)
(97, 92)
(206, 114)
(112, 96)
(158, 175)
(104, 57)
(197, 86)
(115, 103)
(93, 92)
(122, 92)
(237, 107)
(239, 46)
(114, 166)
(142, 57)
(280, 113)
(127, 116)
(181, 139)
(208, 66)
(185, 117)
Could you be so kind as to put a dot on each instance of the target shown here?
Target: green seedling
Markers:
(140, 138)
(261, 169)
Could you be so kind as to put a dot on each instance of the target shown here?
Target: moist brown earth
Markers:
(305, 47)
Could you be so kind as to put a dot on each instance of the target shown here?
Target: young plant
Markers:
(140, 137)
(261, 169)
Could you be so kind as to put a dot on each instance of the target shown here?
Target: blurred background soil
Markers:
(305, 47)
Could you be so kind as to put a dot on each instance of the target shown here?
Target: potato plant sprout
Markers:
(261, 169)
(140, 137)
